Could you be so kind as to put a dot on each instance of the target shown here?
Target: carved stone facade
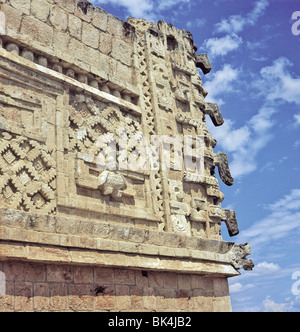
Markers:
(82, 96)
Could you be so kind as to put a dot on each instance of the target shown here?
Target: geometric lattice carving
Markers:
(24, 176)
(27, 175)
(90, 119)
(9, 190)
(9, 156)
(38, 200)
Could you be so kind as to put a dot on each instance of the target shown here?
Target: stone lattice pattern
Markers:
(28, 175)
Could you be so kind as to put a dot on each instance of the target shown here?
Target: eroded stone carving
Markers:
(179, 209)
(203, 63)
(221, 161)
(215, 114)
(214, 191)
(198, 210)
(187, 120)
(112, 183)
(176, 199)
(149, 116)
(231, 222)
(181, 225)
(64, 118)
(239, 257)
(216, 212)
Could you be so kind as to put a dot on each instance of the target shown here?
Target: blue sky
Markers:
(256, 82)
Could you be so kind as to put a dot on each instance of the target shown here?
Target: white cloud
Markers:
(264, 277)
(265, 268)
(280, 161)
(136, 8)
(272, 228)
(235, 288)
(232, 139)
(233, 25)
(271, 306)
(256, 45)
(246, 142)
(297, 144)
(223, 45)
(291, 304)
(199, 22)
(238, 287)
(259, 58)
(268, 167)
(146, 9)
(289, 202)
(261, 122)
(166, 4)
(281, 223)
(237, 23)
(221, 82)
(297, 118)
(278, 84)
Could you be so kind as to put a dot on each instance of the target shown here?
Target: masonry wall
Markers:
(91, 39)
(74, 237)
(49, 287)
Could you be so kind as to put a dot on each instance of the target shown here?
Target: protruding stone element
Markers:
(116, 93)
(70, 72)
(94, 84)
(187, 120)
(105, 88)
(215, 114)
(43, 61)
(127, 97)
(58, 68)
(221, 161)
(231, 223)
(112, 183)
(215, 192)
(82, 78)
(84, 5)
(203, 63)
(27, 54)
(12, 47)
(239, 257)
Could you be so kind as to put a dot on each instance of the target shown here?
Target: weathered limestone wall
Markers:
(74, 236)
(49, 287)
(92, 41)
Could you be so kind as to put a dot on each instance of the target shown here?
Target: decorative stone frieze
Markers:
(107, 167)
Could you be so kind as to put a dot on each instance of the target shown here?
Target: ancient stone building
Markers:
(92, 218)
